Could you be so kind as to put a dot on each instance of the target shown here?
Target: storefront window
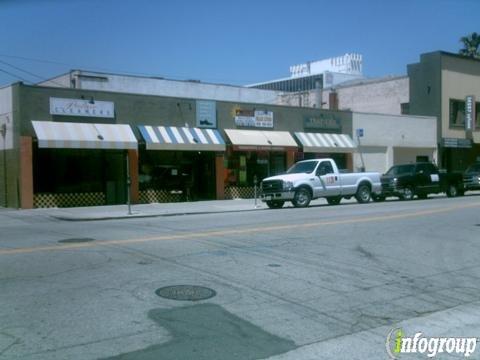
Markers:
(242, 167)
(74, 170)
(457, 113)
(189, 174)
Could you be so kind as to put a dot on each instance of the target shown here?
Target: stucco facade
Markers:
(388, 140)
(439, 86)
(384, 96)
(193, 89)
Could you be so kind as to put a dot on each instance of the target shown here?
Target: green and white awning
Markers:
(68, 135)
(331, 143)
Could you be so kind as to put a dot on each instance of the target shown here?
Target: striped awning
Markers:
(181, 138)
(332, 143)
(245, 139)
(52, 134)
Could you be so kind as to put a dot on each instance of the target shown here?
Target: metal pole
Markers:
(361, 155)
(129, 183)
(3, 131)
(255, 188)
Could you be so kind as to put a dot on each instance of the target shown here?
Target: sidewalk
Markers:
(109, 212)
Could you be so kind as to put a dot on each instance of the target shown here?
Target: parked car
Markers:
(471, 177)
(312, 179)
(420, 179)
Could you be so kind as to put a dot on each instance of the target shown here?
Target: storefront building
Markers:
(447, 86)
(71, 147)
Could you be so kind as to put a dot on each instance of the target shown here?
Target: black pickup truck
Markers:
(420, 179)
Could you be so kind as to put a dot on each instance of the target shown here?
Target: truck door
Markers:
(328, 183)
(425, 180)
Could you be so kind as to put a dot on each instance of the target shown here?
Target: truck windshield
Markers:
(401, 169)
(302, 167)
(474, 168)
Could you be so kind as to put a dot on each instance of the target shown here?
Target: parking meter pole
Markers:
(129, 182)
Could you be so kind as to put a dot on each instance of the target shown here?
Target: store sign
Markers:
(80, 107)
(254, 118)
(206, 114)
(469, 112)
(456, 143)
(323, 121)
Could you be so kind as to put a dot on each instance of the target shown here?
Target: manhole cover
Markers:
(274, 265)
(185, 292)
(75, 240)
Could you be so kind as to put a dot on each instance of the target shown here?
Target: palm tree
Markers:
(471, 43)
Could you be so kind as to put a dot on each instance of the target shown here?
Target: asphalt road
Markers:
(325, 282)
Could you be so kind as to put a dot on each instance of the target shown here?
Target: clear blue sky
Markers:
(235, 42)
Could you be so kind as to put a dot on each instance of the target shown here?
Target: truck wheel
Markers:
(302, 197)
(452, 190)
(363, 193)
(408, 193)
(275, 204)
(334, 200)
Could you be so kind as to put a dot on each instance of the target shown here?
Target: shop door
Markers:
(278, 164)
(115, 177)
(202, 182)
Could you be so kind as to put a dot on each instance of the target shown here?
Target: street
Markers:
(323, 282)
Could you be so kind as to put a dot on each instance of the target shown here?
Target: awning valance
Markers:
(332, 143)
(52, 134)
(181, 138)
(260, 139)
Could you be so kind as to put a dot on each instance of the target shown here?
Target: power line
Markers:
(30, 73)
(94, 68)
(15, 76)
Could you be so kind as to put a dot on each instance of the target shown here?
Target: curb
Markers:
(140, 216)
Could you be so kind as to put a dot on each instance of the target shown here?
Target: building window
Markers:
(457, 113)
(405, 108)
(477, 115)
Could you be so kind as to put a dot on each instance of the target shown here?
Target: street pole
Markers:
(129, 183)
(255, 189)
(3, 132)
(360, 152)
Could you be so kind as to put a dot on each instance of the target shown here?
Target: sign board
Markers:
(324, 122)
(80, 107)
(360, 132)
(206, 114)
(469, 112)
(255, 118)
(456, 143)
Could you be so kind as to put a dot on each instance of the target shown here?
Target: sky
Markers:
(232, 42)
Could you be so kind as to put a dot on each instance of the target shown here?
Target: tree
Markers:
(471, 44)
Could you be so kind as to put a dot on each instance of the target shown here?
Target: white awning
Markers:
(52, 134)
(260, 139)
(182, 138)
(332, 143)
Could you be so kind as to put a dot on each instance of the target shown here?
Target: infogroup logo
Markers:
(397, 343)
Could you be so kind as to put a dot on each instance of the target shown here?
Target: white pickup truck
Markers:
(312, 179)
